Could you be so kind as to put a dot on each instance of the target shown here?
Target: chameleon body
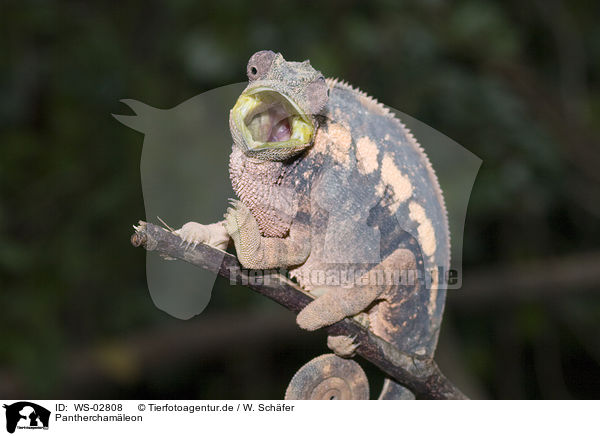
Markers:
(334, 188)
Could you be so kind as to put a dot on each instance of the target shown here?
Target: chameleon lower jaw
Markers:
(267, 119)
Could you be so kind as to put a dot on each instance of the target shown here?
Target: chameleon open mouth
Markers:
(269, 119)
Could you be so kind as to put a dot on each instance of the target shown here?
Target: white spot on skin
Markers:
(336, 139)
(341, 140)
(425, 229)
(433, 293)
(320, 145)
(401, 186)
(366, 152)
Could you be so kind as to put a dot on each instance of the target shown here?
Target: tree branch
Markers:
(418, 373)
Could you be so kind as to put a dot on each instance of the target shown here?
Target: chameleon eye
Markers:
(252, 72)
(259, 64)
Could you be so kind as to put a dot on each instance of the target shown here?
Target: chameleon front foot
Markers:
(329, 377)
(193, 233)
(240, 223)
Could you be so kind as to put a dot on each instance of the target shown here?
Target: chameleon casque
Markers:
(335, 189)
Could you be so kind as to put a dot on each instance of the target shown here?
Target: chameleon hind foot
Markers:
(329, 377)
(343, 346)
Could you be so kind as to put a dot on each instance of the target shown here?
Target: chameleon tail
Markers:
(329, 377)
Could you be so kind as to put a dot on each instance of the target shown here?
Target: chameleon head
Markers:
(274, 117)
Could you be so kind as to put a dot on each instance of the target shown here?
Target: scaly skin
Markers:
(258, 252)
(330, 182)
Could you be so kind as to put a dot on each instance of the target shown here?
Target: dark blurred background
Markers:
(515, 82)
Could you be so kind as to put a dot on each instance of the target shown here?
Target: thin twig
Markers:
(420, 374)
(165, 224)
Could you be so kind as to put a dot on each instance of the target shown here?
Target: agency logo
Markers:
(26, 415)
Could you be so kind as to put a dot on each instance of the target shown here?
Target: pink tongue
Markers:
(280, 131)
